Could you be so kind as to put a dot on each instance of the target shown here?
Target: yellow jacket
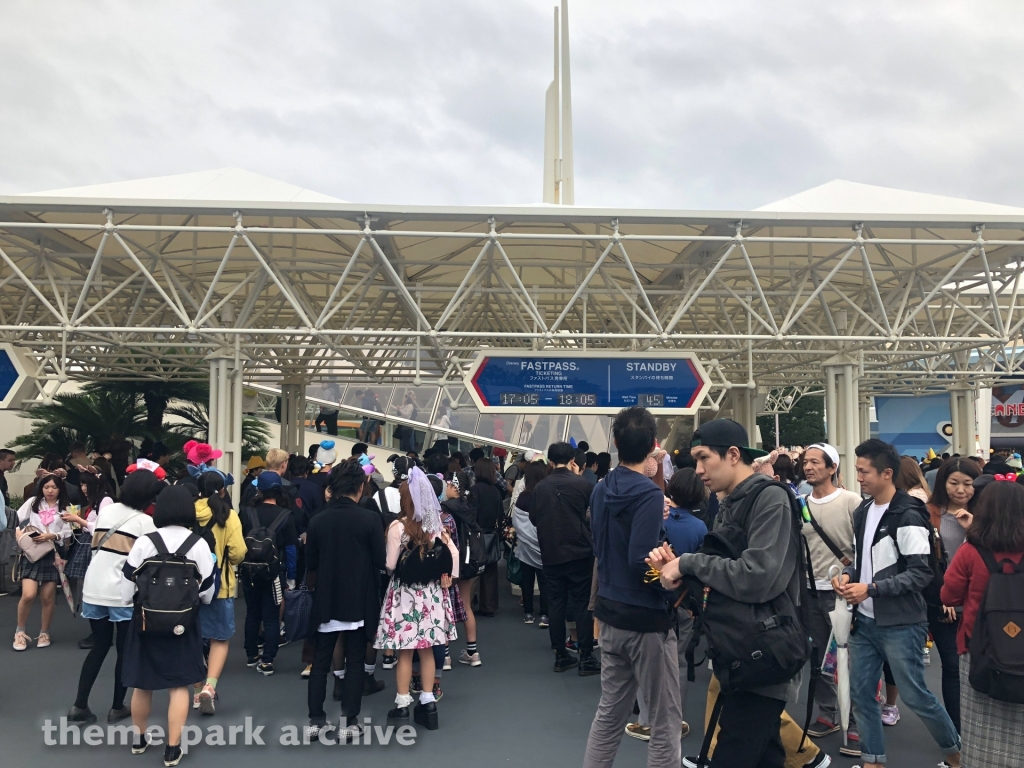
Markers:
(230, 549)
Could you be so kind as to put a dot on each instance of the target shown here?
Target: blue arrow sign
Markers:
(592, 383)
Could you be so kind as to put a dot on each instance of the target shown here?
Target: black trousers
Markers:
(568, 597)
(329, 420)
(944, 636)
(260, 608)
(749, 735)
(529, 574)
(487, 590)
(352, 685)
(102, 638)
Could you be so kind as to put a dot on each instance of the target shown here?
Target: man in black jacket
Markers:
(559, 511)
(344, 555)
(885, 585)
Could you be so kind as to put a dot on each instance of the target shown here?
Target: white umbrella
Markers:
(841, 619)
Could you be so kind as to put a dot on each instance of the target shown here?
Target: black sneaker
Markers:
(416, 686)
(140, 746)
(86, 643)
(252, 661)
(81, 716)
(528, 619)
(691, 761)
(589, 666)
(389, 662)
(372, 685)
(172, 755)
(312, 731)
(117, 715)
(265, 668)
(821, 761)
(564, 661)
(336, 695)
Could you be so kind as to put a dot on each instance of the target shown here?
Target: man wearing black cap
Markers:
(765, 571)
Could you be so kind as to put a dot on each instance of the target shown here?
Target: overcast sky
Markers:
(677, 104)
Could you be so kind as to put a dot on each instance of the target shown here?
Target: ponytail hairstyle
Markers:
(212, 484)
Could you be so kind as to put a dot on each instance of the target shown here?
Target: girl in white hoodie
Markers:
(116, 527)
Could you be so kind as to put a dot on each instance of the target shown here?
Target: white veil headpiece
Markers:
(427, 510)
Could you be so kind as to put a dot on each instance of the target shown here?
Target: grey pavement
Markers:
(513, 710)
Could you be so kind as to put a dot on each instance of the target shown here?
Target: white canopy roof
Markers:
(846, 197)
(227, 184)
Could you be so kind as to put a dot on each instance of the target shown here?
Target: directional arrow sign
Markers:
(15, 382)
(670, 383)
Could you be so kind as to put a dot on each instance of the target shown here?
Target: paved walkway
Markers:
(511, 711)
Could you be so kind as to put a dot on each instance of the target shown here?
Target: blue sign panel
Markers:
(913, 424)
(579, 382)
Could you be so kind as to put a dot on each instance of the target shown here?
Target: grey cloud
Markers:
(676, 104)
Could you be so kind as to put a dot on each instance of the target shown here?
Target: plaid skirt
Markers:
(41, 571)
(458, 607)
(992, 731)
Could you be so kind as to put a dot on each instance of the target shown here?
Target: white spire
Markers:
(558, 170)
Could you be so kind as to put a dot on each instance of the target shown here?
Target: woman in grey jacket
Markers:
(528, 546)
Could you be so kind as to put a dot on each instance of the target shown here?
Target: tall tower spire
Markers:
(558, 163)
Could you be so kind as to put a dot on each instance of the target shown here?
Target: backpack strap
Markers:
(158, 542)
(990, 561)
(186, 545)
(254, 519)
(709, 732)
(279, 520)
(382, 502)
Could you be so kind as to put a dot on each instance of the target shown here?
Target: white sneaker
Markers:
(472, 659)
(447, 662)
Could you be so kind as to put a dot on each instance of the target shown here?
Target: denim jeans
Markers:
(903, 647)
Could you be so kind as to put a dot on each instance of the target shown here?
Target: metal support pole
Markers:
(225, 431)
(962, 415)
(831, 406)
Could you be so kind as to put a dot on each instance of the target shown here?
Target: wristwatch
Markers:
(872, 590)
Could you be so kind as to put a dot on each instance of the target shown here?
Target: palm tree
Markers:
(194, 424)
(156, 394)
(103, 421)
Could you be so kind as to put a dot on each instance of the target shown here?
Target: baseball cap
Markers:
(725, 433)
(268, 480)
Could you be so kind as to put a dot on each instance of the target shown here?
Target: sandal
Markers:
(21, 641)
(43, 641)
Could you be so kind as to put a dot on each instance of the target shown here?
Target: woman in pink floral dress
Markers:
(416, 616)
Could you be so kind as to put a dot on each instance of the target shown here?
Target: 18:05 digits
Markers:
(578, 399)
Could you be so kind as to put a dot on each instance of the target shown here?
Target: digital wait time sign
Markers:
(673, 383)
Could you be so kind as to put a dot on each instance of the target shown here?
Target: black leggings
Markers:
(103, 638)
(944, 635)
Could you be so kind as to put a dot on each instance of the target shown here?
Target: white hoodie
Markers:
(103, 579)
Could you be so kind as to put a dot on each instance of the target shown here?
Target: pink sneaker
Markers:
(890, 715)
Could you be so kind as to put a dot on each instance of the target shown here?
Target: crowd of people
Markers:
(745, 554)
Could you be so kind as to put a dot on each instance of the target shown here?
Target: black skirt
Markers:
(159, 662)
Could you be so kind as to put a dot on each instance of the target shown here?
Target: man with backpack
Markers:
(748, 574)
(886, 585)
(271, 552)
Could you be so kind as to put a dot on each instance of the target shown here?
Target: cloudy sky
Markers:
(677, 104)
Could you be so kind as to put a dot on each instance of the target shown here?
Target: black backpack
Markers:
(997, 643)
(262, 562)
(418, 565)
(168, 588)
(752, 644)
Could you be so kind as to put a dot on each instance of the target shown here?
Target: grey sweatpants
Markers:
(647, 661)
(684, 630)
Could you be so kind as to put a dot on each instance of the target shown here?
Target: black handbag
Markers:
(492, 548)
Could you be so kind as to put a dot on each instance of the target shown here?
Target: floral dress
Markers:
(413, 616)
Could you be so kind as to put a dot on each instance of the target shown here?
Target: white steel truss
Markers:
(388, 294)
